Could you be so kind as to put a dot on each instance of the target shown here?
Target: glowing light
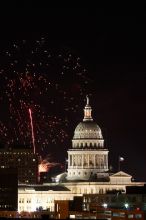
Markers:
(105, 205)
(126, 205)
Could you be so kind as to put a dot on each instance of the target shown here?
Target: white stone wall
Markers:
(94, 188)
(120, 180)
(31, 200)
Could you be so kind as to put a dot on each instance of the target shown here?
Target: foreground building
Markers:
(79, 209)
(8, 189)
(24, 161)
(87, 171)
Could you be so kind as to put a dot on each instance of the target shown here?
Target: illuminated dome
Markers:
(88, 130)
(87, 133)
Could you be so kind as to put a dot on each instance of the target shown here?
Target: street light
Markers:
(126, 205)
(105, 205)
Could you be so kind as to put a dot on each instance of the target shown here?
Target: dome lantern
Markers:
(87, 111)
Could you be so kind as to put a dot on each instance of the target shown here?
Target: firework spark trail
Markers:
(32, 131)
(33, 76)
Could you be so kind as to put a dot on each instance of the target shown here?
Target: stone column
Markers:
(94, 160)
(106, 161)
(88, 161)
(82, 160)
(75, 160)
(68, 160)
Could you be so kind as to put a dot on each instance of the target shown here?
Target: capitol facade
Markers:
(88, 159)
(87, 172)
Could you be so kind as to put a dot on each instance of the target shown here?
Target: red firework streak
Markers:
(32, 131)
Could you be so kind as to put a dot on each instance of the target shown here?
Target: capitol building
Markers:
(87, 171)
(87, 158)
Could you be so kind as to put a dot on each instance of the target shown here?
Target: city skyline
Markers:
(109, 52)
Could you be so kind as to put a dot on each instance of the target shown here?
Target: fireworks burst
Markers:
(50, 83)
(46, 165)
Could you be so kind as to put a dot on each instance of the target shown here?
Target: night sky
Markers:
(76, 51)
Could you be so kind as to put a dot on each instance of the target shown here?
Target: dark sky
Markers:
(113, 49)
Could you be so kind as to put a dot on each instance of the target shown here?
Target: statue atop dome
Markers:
(87, 97)
(87, 111)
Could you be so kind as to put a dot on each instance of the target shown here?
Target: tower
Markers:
(87, 159)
